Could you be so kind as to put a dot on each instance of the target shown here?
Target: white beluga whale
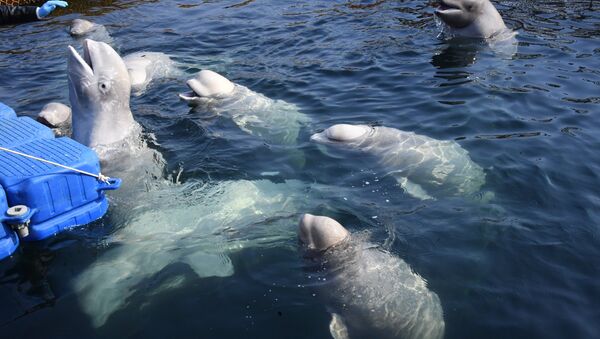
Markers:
(370, 292)
(471, 18)
(143, 67)
(477, 19)
(81, 28)
(426, 168)
(192, 223)
(55, 115)
(276, 121)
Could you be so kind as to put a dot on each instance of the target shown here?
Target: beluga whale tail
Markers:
(276, 121)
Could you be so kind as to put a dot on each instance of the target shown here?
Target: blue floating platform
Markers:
(9, 241)
(56, 198)
(6, 112)
(18, 131)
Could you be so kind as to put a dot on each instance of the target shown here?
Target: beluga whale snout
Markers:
(99, 92)
(470, 18)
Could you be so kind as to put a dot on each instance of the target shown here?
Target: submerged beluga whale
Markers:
(424, 167)
(276, 121)
(370, 292)
(157, 223)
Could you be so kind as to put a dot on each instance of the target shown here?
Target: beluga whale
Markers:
(471, 18)
(143, 67)
(424, 167)
(81, 28)
(57, 116)
(369, 292)
(276, 121)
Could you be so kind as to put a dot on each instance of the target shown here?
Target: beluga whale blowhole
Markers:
(471, 19)
(424, 167)
(276, 121)
(369, 292)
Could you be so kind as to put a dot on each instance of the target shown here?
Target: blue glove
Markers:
(49, 6)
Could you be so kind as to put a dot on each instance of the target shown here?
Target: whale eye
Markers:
(104, 86)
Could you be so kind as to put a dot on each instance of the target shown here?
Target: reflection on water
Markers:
(526, 117)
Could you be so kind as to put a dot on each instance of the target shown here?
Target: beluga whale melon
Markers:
(369, 292)
(276, 121)
(426, 168)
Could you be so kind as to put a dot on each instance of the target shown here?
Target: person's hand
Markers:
(49, 6)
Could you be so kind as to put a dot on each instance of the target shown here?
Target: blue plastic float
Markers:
(39, 199)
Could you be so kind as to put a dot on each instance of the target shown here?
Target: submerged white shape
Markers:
(276, 121)
(181, 223)
(370, 292)
(423, 166)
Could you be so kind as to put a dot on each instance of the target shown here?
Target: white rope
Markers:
(99, 176)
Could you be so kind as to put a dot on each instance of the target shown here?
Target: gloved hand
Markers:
(49, 6)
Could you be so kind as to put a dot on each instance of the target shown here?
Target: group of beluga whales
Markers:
(371, 293)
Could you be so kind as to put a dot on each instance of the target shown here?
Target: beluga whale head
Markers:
(342, 134)
(99, 92)
(207, 85)
(319, 233)
(470, 18)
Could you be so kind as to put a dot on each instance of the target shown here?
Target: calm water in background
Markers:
(528, 266)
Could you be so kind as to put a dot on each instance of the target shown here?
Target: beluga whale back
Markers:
(370, 292)
(471, 18)
(276, 121)
(426, 168)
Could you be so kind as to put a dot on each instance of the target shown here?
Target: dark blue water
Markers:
(526, 266)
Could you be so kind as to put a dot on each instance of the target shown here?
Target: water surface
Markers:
(525, 266)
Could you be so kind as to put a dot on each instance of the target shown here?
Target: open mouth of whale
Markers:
(196, 91)
(84, 62)
(446, 8)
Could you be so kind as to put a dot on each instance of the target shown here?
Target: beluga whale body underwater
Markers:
(424, 167)
(157, 222)
(370, 292)
(276, 121)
